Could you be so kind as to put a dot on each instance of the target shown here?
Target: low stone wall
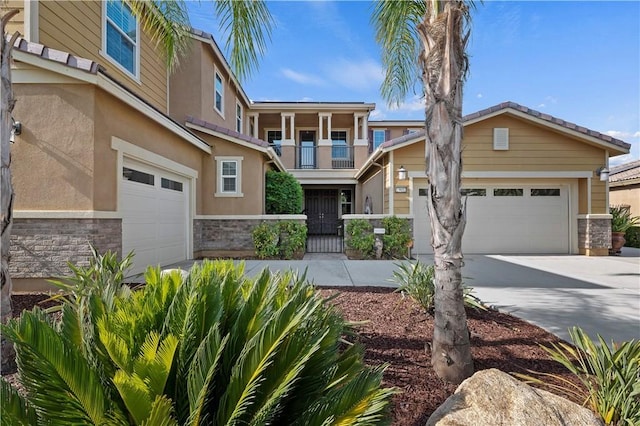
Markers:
(230, 236)
(41, 248)
(374, 219)
(594, 235)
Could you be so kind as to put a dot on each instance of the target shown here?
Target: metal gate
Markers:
(324, 228)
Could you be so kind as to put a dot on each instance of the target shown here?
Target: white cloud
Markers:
(622, 135)
(360, 76)
(301, 78)
(416, 103)
(479, 96)
(541, 105)
(377, 114)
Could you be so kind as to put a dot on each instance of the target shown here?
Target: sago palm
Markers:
(428, 38)
(217, 348)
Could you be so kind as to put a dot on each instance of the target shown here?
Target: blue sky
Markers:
(578, 61)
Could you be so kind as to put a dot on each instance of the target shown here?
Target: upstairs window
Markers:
(378, 138)
(121, 38)
(238, 118)
(218, 101)
(229, 177)
(274, 137)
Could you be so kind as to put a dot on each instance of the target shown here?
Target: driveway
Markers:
(599, 294)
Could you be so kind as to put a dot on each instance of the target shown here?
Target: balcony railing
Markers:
(342, 157)
(309, 157)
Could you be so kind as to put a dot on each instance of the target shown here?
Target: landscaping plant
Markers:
(621, 219)
(416, 279)
(279, 240)
(283, 193)
(215, 347)
(359, 237)
(396, 238)
(609, 373)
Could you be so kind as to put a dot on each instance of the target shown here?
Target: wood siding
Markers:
(16, 24)
(76, 27)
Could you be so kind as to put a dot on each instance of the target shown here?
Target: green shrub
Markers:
(608, 373)
(280, 239)
(265, 240)
(214, 347)
(396, 237)
(632, 236)
(417, 280)
(360, 237)
(283, 193)
(621, 219)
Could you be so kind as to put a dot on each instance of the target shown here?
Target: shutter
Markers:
(387, 135)
(500, 139)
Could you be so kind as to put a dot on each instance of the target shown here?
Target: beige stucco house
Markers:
(624, 186)
(116, 152)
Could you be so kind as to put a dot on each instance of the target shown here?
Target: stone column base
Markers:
(594, 234)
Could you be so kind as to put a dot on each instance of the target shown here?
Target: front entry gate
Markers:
(324, 228)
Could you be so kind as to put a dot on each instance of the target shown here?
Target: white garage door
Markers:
(507, 219)
(155, 214)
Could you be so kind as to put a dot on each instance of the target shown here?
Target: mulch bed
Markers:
(396, 331)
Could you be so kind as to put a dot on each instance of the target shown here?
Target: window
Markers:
(378, 138)
(346, 201)
(218, 102)
(171, 184)
(545, 192)
(137, 176)
(508, 192)
(120, 38)
(229, 176)
(473, 192)
(339, 145)
(238, 118)
(274, 137)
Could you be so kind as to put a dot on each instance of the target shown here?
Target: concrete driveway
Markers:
(599, 294)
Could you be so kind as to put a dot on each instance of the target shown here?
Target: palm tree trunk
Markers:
(444, 68)
(7, 103)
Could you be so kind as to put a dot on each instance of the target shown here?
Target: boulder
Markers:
(491, 397)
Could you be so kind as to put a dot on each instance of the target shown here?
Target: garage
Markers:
(155, 215)
(505, 218)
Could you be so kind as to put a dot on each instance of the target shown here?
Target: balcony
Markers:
(324, 157)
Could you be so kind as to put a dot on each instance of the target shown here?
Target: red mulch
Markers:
(396, 331)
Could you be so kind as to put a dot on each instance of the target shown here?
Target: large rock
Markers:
(491, 397)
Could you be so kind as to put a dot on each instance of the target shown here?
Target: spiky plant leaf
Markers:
(15, 410)
(161, 413)
(135, 394)
(60, 382)
(155, 361)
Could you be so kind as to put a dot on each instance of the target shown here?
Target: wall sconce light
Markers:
(16, 129)
(603, 172)
(402, 173)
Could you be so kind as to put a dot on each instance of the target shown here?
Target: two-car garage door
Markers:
(155, 215)
(505, 218)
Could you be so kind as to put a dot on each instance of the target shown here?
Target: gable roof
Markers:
(529, 114)
(92, 72)
(625, 174)
(235, 137)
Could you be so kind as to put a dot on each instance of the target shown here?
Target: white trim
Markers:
(525, 174)
(66, 214)
(375, 216)
(314, 106)
(219, 184)
(103, 49)
(40, 76)
(589, 191)
(606, 183)
(594, 216)
(252, 217)
(391, 184)
(239, 105)
(327, 181)
(141, 154)
(31, 20)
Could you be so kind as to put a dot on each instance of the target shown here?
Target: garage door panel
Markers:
(507, 224)
(155, 219)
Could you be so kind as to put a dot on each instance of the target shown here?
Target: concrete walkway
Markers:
(599, 294)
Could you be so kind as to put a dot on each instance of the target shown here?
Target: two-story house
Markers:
(118, 153)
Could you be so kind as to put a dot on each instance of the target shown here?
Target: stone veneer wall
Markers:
(228, 237)
(41, 248)
(594, 235)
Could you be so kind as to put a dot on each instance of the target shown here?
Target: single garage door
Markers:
(506, 219)
(155, 214)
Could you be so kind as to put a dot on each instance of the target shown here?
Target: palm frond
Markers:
(167, 24)
(248, 23)
(15, 410)
(161, 413)
(395, 23)
(59, 380)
